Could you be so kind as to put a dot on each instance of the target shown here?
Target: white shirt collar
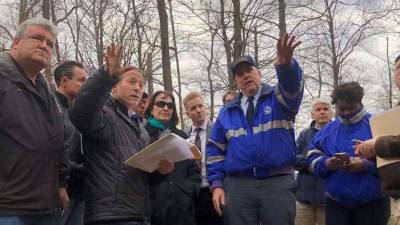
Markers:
(203, 126)
(256, 96)
(131, 113)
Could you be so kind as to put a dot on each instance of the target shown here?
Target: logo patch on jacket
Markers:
(267, 110)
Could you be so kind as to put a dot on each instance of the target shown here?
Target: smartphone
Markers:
(342, 156)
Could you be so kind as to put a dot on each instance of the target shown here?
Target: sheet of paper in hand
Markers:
(387, 123)
(170, 147)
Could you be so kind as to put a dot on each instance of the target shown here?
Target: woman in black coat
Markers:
(172, 198)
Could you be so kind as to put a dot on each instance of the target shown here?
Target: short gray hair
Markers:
(321, 101)
(37, 21)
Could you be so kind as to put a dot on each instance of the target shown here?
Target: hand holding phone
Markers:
(343, 157)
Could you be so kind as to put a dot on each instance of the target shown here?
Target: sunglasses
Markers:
(162, 104)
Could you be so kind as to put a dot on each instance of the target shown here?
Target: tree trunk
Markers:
(319, 74)
(335, 63)
(23, 4)
(178, 72)
(210, 80)
(54, 19)
(282, 18)
(237, 28)
(47, 69)
(46, 9)
(26, 9)
(149, 73)
(166, 64)
(256, 48)
(227, 46)
(390, 74)
(99, 29)
(139, 36)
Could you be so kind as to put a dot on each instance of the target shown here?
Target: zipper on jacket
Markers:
(254, 171)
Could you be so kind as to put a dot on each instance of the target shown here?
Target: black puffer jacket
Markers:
(31, 142)
(113, 190)
(172, 199)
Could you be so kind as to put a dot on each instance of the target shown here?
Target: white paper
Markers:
(170, 147)
(386, 123)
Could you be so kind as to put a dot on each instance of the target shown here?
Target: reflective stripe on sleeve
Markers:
(222, 147)
(215, 159)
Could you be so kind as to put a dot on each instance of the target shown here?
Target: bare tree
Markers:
(227, 45)
(389, 73)
(26, 8)
(342, 28)
(178, 71)
(237, 31)
(166, 64)
(282, 18)
(149, 73)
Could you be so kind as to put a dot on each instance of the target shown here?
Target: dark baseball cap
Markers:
(242, 59)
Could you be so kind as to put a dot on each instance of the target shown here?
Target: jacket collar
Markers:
(153, 130)
(313, 125)
(13, 71)
(62, 99)
(355, 118)
(122, 111)
(9, 67)
(265, 90)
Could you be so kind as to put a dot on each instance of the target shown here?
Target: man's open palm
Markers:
(285, 48)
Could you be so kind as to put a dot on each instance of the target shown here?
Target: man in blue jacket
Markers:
(310, 198)
(352, 184)
(252, 146)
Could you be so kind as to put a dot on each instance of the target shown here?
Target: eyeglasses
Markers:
(162, 104)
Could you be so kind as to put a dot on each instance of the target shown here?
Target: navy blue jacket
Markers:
(310, 188)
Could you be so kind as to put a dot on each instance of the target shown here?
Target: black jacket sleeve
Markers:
(388, 146)
(301, 151)
(87, 114)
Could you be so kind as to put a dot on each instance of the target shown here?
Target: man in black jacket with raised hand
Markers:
(114, 192)
(31, 129)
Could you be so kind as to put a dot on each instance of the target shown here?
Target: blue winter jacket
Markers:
(343, 186)
(267, 146)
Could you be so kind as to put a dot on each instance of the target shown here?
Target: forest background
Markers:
(184, 45)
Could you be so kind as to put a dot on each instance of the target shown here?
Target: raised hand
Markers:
(113, 61)
(285, 48)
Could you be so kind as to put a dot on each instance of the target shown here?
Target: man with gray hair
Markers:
(310, 197)
(31, 129)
